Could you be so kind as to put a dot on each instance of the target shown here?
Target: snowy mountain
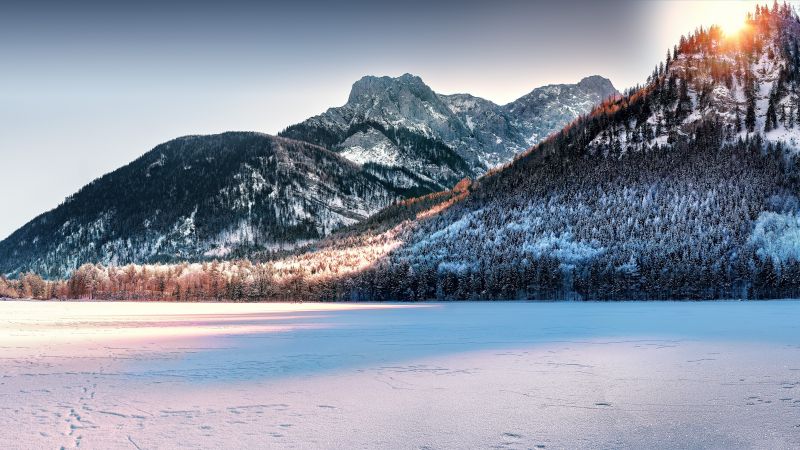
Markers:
(201, 197)
(400, 122)
(392, 124)
(686, 187)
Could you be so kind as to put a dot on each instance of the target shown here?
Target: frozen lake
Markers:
(455, 375)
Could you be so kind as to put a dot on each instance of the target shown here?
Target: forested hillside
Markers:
(201, 197)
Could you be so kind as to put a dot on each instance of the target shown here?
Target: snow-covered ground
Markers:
(457, 375)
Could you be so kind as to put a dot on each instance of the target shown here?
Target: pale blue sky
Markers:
(86, 87)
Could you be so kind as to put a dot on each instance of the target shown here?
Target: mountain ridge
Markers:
(480, 132)
(227, 215)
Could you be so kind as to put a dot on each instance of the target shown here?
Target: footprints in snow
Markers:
(516, 439)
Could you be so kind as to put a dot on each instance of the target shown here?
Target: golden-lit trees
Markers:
(7, 288)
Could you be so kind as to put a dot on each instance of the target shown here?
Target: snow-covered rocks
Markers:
(385, 116)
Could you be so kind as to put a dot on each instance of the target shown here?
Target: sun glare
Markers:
(730, 21)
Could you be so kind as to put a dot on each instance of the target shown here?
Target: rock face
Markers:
(201, 197)
(395, 123)
(547, 109)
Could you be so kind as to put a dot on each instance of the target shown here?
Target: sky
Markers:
(88, 86)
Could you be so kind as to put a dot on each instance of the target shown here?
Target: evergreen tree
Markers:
(771, 119)
(738, 120)
(750, 116)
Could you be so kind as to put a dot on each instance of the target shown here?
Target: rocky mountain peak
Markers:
(598, 84)
(390, 87)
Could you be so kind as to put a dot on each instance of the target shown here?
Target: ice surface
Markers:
(455, 375)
